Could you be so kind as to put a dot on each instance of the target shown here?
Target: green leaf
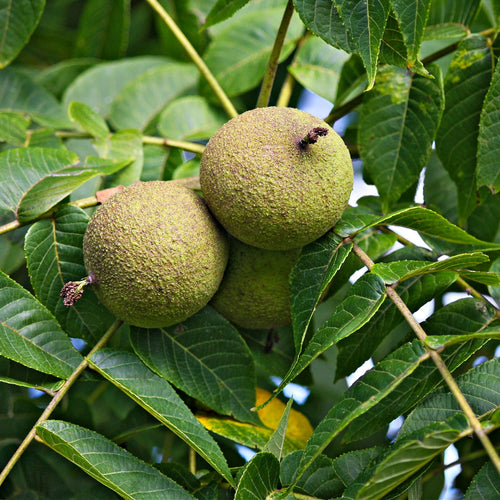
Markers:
(320, 480)
(412, 19)
(223, 9)
(184, 354)
(156, 396)
(495, 290)
(20, 169)
(54, 257)
(440, 193)
(142, 98)
(484, 484)
(309, 279)
(480, 386)
(358, 347)
(465, 84)
(88, 119)
(363, 300)
(19, 93)
(491, 279)
(365, 20)
(123, 145)
(18, 20)
(370, 390)
(349, 465)
(103, 29)
(190, 117)
(461, 318)
(402, 270)
(425, 221)
(98, 86)
(17, 374)
(238, 56)
(30, 335)
(405, 458)
(57, 77)
(398, 123)
(318, 66)
(13, 127)
(259, 478)
(488, 165)
(55, 186)
(457, 12)
(108, 463)
(277, 440)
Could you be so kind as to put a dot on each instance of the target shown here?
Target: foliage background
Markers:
(98, 93)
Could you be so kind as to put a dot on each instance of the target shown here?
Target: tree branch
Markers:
(438, 361)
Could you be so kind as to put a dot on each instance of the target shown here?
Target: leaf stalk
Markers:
(195, 57)
(272, 66)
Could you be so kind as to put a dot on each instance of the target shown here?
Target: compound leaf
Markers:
(108, 463)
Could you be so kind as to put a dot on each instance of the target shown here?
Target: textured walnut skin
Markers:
(157, 254)
(276, 178)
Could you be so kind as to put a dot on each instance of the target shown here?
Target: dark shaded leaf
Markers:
(465, 84)
(18, 20)
(103, 29)
(54, 256)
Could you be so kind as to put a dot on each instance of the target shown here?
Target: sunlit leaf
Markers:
(124, 144)
(363, 300)
(412, 19)
(480, 386)
(259, 478)
(190, 117)
(223, 9)
(239, 54)
(406, 457)
(13, 127)
(157, 397)
(310, 277)
(143, 97)
(88, 119)
(107, 462)
(30, 335)
(318, 66)
(55, 186)
(402, 270)
(98, 86)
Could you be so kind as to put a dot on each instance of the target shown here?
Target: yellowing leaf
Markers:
(299, 427)
(298, 431)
